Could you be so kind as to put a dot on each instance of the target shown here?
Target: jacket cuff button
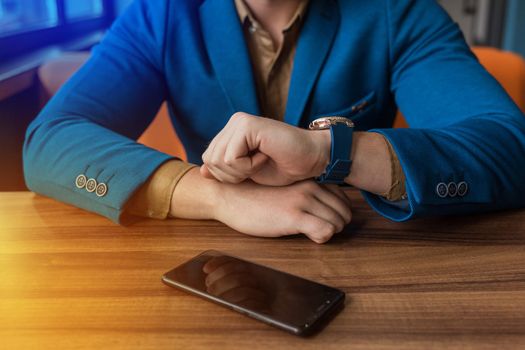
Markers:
(102, 189)
(452, 189)
(442, 190)
(462, 189)
(80, 181)
(91, 185)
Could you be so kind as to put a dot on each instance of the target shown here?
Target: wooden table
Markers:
(70, 279)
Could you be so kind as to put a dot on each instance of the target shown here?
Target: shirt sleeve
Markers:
(397, 189)
(153, 199)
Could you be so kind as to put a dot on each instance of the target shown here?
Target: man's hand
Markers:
(304, 207)
(265, 211)
(266, 151)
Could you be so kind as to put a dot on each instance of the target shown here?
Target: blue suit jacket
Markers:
(405, 53)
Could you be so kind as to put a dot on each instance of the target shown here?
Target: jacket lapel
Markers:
(228, 53)
(318, 32)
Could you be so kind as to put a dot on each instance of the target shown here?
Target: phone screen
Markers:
(286, 301)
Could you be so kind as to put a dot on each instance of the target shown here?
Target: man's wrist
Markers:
(371, 168)
(323, 140)
(195, 197)
(219, 197)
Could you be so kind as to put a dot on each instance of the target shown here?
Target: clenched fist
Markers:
(267, 151)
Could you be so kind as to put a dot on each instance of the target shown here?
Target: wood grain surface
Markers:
(74, 280)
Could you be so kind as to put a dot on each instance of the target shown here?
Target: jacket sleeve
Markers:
(90, 126)
(465, 130)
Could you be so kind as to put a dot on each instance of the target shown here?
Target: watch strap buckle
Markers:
(335, 173)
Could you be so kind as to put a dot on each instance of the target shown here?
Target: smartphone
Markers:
(288, 302)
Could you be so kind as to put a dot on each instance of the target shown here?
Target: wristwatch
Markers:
(341, 130)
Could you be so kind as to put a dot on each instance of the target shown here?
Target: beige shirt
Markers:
(272, 65)
(272, 68)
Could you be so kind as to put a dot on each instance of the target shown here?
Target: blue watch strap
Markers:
(339, 167)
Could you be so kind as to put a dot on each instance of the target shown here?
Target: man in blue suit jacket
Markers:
(464, 152)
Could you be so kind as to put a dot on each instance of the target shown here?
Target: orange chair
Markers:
(160, 134)
(508, 68)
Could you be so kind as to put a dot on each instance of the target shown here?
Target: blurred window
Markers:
(18, 16)
(82, 9)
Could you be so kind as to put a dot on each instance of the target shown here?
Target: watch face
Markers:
(326, 122)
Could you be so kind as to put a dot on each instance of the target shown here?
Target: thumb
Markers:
(258, 161)
(249, 165)
(205, 172)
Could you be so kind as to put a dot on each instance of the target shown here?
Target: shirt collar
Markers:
(245, 14)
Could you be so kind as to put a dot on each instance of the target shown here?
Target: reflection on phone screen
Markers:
(289, 299)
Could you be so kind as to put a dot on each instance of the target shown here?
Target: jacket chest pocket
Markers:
(355, 111)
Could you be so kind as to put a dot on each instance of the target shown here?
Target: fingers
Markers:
(239, 171)
(205, 172)
(228, 157)
(247, 143)
(268, 211)
(224, 176)
(318, 230)
(237, 153)
(214, 164)
(334, 198)
(246, 165)
(326, 213)
(258, 161)
(339, 192)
